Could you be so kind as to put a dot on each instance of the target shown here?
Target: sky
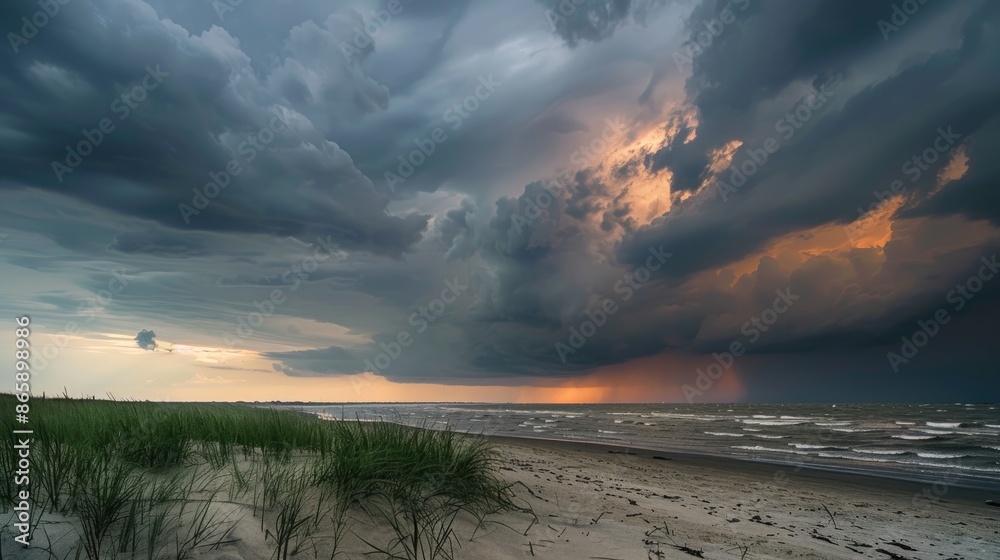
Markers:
(519, 201)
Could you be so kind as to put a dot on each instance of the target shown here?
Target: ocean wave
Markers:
(724, 434)
(763, 416)
(914, 437)
(811, 446)
(945, 424)
(765, 436)
(756, 422)
(966, 467)
(751, 429)
(827, 424)
(930, 455)
(881, 451)
(701, 417)
(608, 432)
(937, 432)
(905, 423)
(852, 430)
(854, 458)
(992, 425)
(993, 447)
(771, 449)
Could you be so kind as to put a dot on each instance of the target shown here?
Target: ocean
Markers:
(956, 444)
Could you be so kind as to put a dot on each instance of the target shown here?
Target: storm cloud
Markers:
(839, 153)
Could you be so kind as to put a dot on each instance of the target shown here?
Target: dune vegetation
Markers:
(113, 479)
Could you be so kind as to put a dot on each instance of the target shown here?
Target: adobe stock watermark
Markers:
(455, 115)
(626, 288)
(292, 278)
(899, 17)
(564, 9)
(89, 308)
(703, 40)
(373, 27)
(958, 297)
(752, 330)
(582, 156)
(787, 126)
(421, 320)
(30, 27)
(914, 168)
(122, 107)
(589, 151)
(223, 7)
(249, 149)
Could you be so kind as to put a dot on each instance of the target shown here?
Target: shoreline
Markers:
(863, 480)
(605, 501)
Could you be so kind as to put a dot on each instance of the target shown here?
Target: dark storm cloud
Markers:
(975, 194)
(868, 133)
(593, 20)
(540, 243)
(770, 46)
(855, 143)
(189, 118)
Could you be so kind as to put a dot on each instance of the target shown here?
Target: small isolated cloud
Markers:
(145, 340)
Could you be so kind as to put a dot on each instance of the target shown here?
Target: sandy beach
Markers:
(600, 502)
(597, 501)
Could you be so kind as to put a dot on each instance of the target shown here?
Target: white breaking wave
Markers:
(851, 430)
(724, 434)
(945, 424)
(854, 458)
(929, 455)
(810, 446)
(762, 448)
(765, 436)
(756, 422)
(881, 451)
(914, 437)
(906, 423)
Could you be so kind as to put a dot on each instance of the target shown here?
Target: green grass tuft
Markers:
(163, 480)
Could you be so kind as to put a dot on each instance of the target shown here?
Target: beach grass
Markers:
(167, 480)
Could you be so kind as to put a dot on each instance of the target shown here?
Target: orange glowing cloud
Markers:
(955, 169)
